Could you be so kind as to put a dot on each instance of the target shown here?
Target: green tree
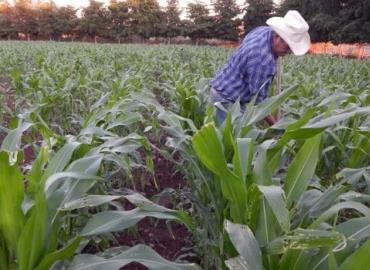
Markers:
(46, 19)
(145, 17)
(7, 29)
(66, 22)
(256, 13)
(25, 20)
(354, 21)
(202, 24)
(225, 22)
(334, 20)
(119, 20)
(172, 23)
(94, 21)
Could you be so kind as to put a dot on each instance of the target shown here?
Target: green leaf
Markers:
(302, 169)
(340, 206)
(141, 254)
(244, 242)
(318, 124)
(351, 175)
(356, 230)
(360, 259)
(303, 239)
(276, 200)
(61, 159)
(209, 150)
(262, 174)
(270, 105)
(113, 221)
(35, 174)
(55, 179)
(243, 158)
(33, 234)
(88, 201)
(61, 254)
(208, 147)
(332, 261)
(12, 193)
(12, 142)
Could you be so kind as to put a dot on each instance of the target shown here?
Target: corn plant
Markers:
(61, 185)
(267, 202)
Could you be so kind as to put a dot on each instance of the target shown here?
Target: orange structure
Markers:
(359, 51)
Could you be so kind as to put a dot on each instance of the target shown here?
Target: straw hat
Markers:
(293, 29)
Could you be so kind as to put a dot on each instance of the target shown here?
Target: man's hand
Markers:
(270, 120)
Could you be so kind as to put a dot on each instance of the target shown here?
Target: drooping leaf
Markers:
(250, 256)
(140, 253)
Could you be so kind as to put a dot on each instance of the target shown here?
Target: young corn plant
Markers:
(50, 211)
(266, 182)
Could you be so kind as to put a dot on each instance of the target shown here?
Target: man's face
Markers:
(280, 47)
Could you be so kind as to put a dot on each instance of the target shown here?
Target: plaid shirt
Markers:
(250, 70)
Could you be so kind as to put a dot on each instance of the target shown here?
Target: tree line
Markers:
(126, 20)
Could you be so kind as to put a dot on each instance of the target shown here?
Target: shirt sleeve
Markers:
(258, 76)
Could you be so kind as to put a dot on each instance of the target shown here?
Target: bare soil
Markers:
(170, 244)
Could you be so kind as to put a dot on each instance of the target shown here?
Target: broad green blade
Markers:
(266, 229)
(332, 262)
(35, 174)
(276, 200)
(302, 169)
(113, 221)
(243, 158)
(270, 105)
(261, 171)
(146, 205)
(244, 242)
(60, 160)
(361, 208)
(88, 201)
(140, 253)
(237, 263)
(303, 239)
(352, 175)
(360, 259)
(34, 234)
(12, 142)
(61, 254)
(57, 178)
(319, 124)
(209, 150)
(11, 197)
(356, 230)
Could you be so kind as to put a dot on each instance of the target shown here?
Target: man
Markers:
(251, 69)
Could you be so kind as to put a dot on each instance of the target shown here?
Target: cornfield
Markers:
(81, 125)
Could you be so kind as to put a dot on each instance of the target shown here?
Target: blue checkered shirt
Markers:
(250, 70)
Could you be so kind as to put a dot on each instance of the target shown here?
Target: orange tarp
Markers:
(359, 51)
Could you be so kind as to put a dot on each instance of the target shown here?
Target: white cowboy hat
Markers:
(293, 29)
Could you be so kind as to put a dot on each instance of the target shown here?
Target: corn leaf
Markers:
(11, 197)
(141, 254)
(302, 169)
(360, 259)
(250, 256)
